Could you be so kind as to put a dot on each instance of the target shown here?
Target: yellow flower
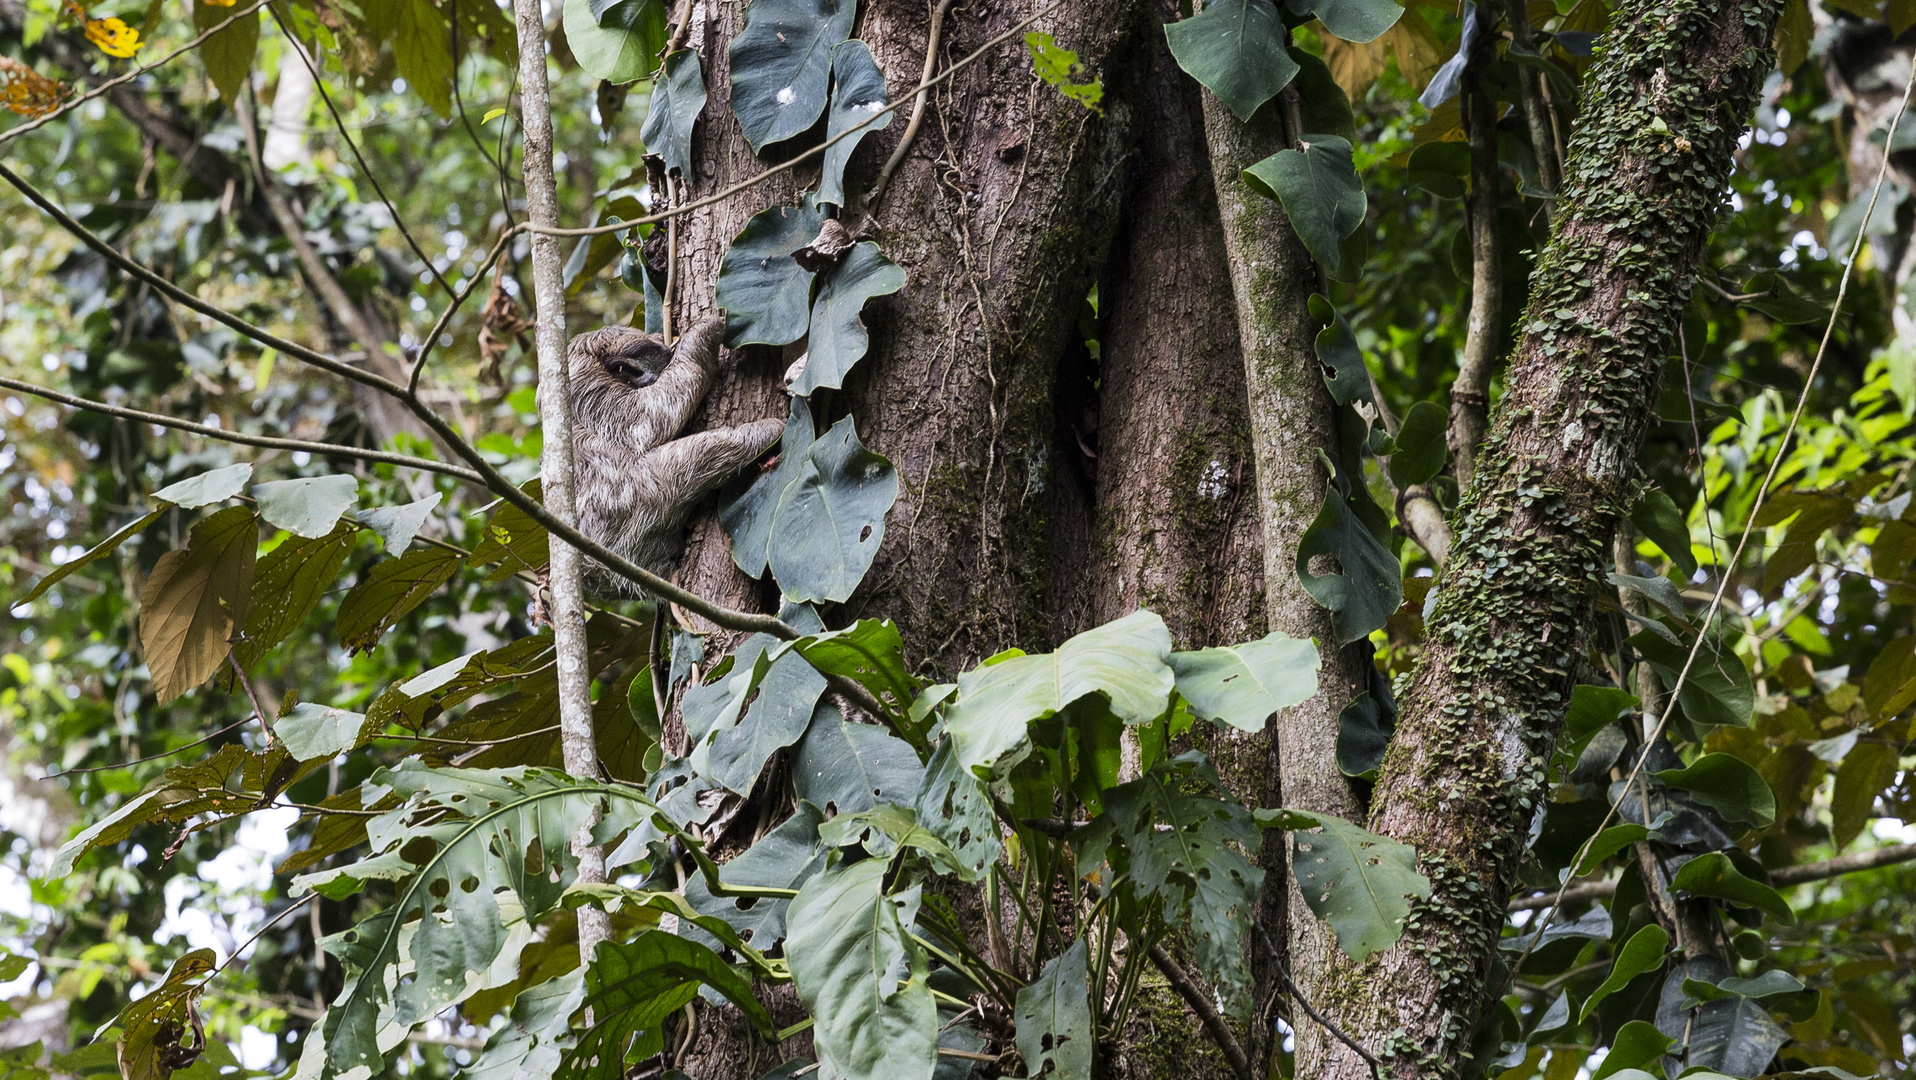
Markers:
(113, 36)
(26, 91)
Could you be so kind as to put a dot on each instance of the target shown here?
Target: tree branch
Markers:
(1214, 1024)
(268, 442)
(1855, 862)
(1470, 393)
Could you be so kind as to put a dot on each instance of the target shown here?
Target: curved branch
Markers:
(1207, 1015)
(404, 461)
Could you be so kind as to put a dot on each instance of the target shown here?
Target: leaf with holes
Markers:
(677, 100)
(1236, 49)
(776, 719)
(861, 975)
(158, 1027)
(1322, 195)
(1054, 1018)
(195, 598)
(1369, 584)
(784, 858)
(462, 841)
(1244, 684)
(309, 506)
(1184, 847)
(1357, 881)
(766, 294)
(858, 94)
(781, 65)
(390, 590)
(1127, 660)
(850, 767)
(831, 520)
(956, 808)
(397, 525)
(838, 334)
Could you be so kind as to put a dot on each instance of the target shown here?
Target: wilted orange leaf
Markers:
(26, 91)
(113, 36)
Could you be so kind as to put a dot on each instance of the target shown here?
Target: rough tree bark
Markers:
(1465, 773)
(1292, 420)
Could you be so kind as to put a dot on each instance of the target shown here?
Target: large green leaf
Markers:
(1236, 49)
(851, 767)
(748, 518)
(309, 506)
(153, 1027)
(390, 590)
(1127, 660)
(631, 987)
(397, 525)
(677, 100)
(955, 806)
(766, 294)
(858, 92)
(1357, 881)
(1716, 692)
(1244, 684)
(1322, 104)
(1322, 195)
(1635, 1045)
(422, 47)
(535, 1036)
(287, 585)
(207, 488)
(195, 598)
(1186, 849)
(1727, 784)
(228, 55)
(620, 49)
(1360, 21)
(1054, 1018)
(1713, 874)
(1368, 584)
(462, 837)
(1421, 450)
(1593, 708)
(831, 520)
(781, 64)
(513, 540)
(861, 975)
(870, 652)
(319, 732)
(784, 858)
(1643, 952)
(1867, 771)
(1656, 516)
(838, 336)
(777, 718)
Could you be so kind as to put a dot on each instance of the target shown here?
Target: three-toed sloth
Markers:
(635, 480)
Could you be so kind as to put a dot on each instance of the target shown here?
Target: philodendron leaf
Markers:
(776, 719)
(1713, 874)
(195, 598)
(677, 99)
(831, 520)
(535, 1037)
(631, 987)
(309, 506)
(849, 768)
(313, 732)
(1727, 784)
(1185, 849)
(397, 525)
(748, 518)
(955, 806)
(1236, 49)
(206, 488)
(1421, 450)
(1657, 516)
(1054, 1018)
(1369, 583)
(461, 839)
(1643, 952)
(784, 858)
(1357, 881)
(1127, 660)
(870, 652)
(622, 47)
(1322, 195)
(861, 975)
(766, 295)
(1359, 21)
(838, 334)
(1244, 684)
(858, 95)
(781, 65)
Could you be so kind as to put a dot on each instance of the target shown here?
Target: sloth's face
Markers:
(635, 360)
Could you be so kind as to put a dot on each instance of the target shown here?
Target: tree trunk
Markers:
(1465, 773)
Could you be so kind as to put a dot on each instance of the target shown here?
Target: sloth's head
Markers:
(615, 358)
